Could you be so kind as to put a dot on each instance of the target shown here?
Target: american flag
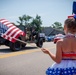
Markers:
(9, 31)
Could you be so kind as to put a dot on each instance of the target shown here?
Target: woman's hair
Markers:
(71, 24)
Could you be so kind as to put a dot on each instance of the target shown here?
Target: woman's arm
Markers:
(58, 57)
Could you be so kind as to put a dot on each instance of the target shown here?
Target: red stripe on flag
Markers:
(11, 26)
(10, 31)
(14, 39)
(8, 23)
(4, 22)
(2, 19)
(14, 33)
(4, 36)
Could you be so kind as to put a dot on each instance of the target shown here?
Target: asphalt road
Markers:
(29, 61)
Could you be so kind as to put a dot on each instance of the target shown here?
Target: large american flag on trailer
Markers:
(9, 31)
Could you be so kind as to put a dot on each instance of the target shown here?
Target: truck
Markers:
(16, 39)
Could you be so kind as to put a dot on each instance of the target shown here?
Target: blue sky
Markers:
(49, 10)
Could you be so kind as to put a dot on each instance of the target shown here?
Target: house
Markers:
(47, 30)
(51, 31)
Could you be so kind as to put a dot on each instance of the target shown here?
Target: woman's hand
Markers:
(45, 50)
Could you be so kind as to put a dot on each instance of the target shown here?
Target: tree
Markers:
(57, 25)
(36, 22)
(20, 22)
(26, 19)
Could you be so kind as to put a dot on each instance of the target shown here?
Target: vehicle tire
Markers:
(40, 42)
(54, 42)
(15, 46)
(23, 45)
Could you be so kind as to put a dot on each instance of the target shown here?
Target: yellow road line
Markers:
(20, 53)
(16, 53)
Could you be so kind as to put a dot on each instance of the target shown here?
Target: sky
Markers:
(50, 10)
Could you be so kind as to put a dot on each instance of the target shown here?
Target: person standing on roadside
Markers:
(65, 58)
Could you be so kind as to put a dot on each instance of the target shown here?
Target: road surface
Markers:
(28, 61)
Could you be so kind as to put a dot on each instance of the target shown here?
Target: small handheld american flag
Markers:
(9, 31)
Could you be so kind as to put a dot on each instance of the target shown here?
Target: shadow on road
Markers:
(7, 50)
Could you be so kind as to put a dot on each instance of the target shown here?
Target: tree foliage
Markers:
(57, 25)
(20, 22)
(35, 22)
(24, 20)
